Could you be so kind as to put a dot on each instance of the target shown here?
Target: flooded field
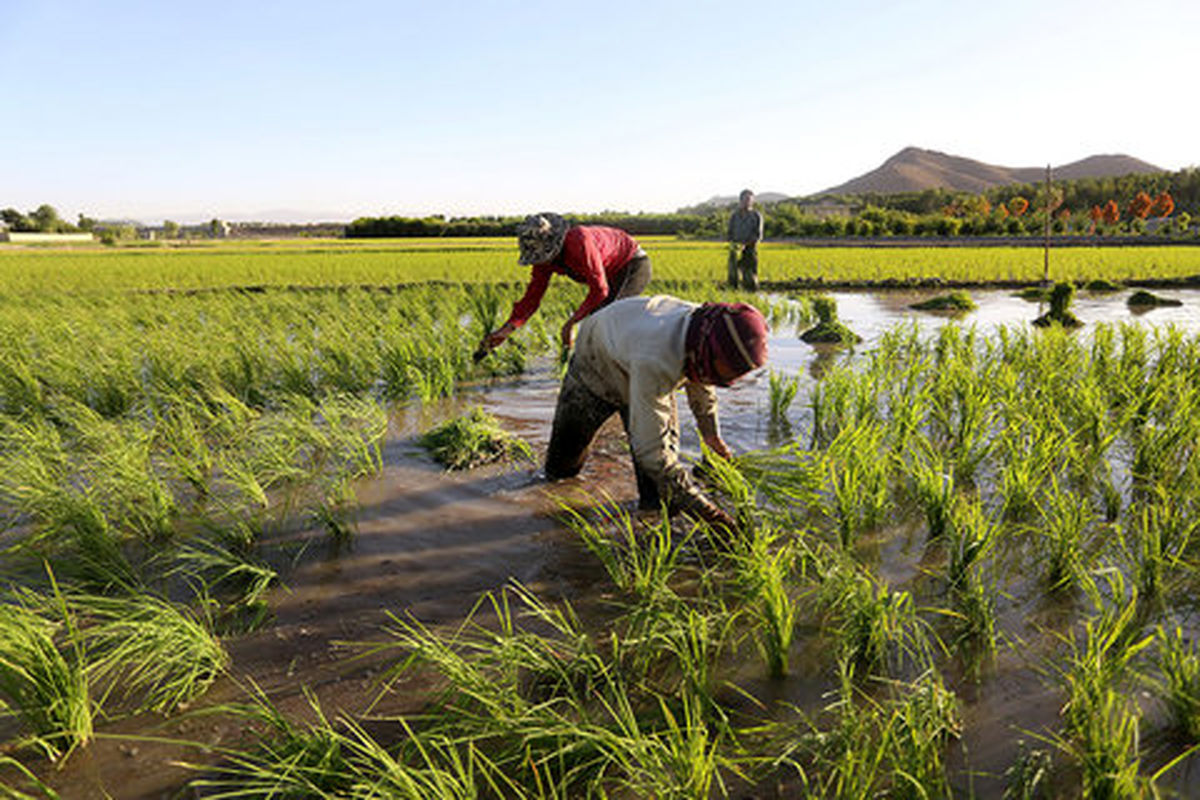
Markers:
(428, 544)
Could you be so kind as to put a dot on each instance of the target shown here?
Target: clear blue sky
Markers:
(340, 109)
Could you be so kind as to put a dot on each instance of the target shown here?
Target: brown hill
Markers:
(914, 170)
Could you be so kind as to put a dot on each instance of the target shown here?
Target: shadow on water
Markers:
(429, 544)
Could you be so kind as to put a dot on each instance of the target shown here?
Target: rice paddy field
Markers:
(231, 566)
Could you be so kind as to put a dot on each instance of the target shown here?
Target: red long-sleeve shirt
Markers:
(590, 254)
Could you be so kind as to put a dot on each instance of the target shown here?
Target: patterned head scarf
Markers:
(734, 333)
(540, 237)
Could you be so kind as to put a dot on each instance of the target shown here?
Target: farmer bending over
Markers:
(608, 260)
(629, 360)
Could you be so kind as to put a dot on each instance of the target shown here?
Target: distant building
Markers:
(17, 237)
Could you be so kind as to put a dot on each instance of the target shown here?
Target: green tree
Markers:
(170, 229)
(16, 221)
(46, 219)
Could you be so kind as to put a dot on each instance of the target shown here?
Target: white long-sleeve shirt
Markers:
(631, 353)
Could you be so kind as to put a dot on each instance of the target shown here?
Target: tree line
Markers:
(43, 219)
(1163, 203)
(665, 224)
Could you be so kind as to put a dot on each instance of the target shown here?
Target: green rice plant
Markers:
(843, 399)
(43, 673)
(829, 329)
(906, 398)
(790, 478)
(973, 614)
(973, 535)
(431, 377)
(680, 647)
(407, 263)
(830, 402)
(1177, 685)
(21, 393)
(434, 767)
(228, 581)
(1065, 520)
(683, 760)
(12, 792)
(932, 485)
(1094, 428)
(1028, 777)
(551, 713)
(78, 543)
(148, 649)
(118, 467)
(1100, 723)
(764, 566)
(185, 447)
(961, 412)
(878, 629)
(1110, 496)
(971, 605)
(922, 722)
(857, 480)
(957, 302)
(563, 661)
(355, 427)
(334, 514)
(471, 440)
(68, 521)
(1164, 450)
(782, 391)
(847, 760)
(486, 304)
(639, 559)
(292, 759)
(880, 746)
(1156, 541)
(343, 757)
(727, 478)
(500, 672)
(243, 372)
(1028, 453)
(1105, 748)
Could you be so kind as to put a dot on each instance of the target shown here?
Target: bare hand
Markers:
(717, 445)
(496, 338)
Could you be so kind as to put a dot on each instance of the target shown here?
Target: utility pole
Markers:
(1046, 233)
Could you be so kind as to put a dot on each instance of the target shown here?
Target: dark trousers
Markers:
(746, 265)
(577, 416)
(629, 280)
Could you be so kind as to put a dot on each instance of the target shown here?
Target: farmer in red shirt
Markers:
(608, 260)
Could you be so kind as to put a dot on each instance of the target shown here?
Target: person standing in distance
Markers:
(745, 231)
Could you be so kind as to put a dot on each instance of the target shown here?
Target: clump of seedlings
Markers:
(1034, 294)
(1061, 297)
(955, 302)
(1143, 299)
(1102, 286)
(472, 440)
(828, 330)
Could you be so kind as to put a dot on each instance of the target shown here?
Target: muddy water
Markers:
(429, 544)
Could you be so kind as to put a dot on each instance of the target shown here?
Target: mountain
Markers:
(915, 170)
(724, 201)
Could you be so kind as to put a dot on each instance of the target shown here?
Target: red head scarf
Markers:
(734, 333)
